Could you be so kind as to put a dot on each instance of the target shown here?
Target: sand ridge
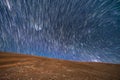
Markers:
(25, 67)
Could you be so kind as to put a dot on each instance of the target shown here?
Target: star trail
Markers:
(79, 30)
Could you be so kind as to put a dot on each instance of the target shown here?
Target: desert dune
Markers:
(26, 67)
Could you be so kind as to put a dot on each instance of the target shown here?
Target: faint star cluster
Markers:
(79, 30)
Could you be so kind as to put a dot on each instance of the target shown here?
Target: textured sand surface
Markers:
(23, 67)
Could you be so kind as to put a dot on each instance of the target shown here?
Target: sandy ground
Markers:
(24, 67)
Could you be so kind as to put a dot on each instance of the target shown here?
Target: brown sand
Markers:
(23, 67)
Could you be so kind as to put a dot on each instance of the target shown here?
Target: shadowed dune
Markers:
(24, 67)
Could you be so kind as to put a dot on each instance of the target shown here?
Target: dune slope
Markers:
(24, 67)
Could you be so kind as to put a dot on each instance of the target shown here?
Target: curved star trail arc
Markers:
(80, 30)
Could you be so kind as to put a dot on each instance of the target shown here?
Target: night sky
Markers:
(79, 30)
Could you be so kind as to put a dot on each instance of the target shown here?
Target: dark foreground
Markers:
(24, 67)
